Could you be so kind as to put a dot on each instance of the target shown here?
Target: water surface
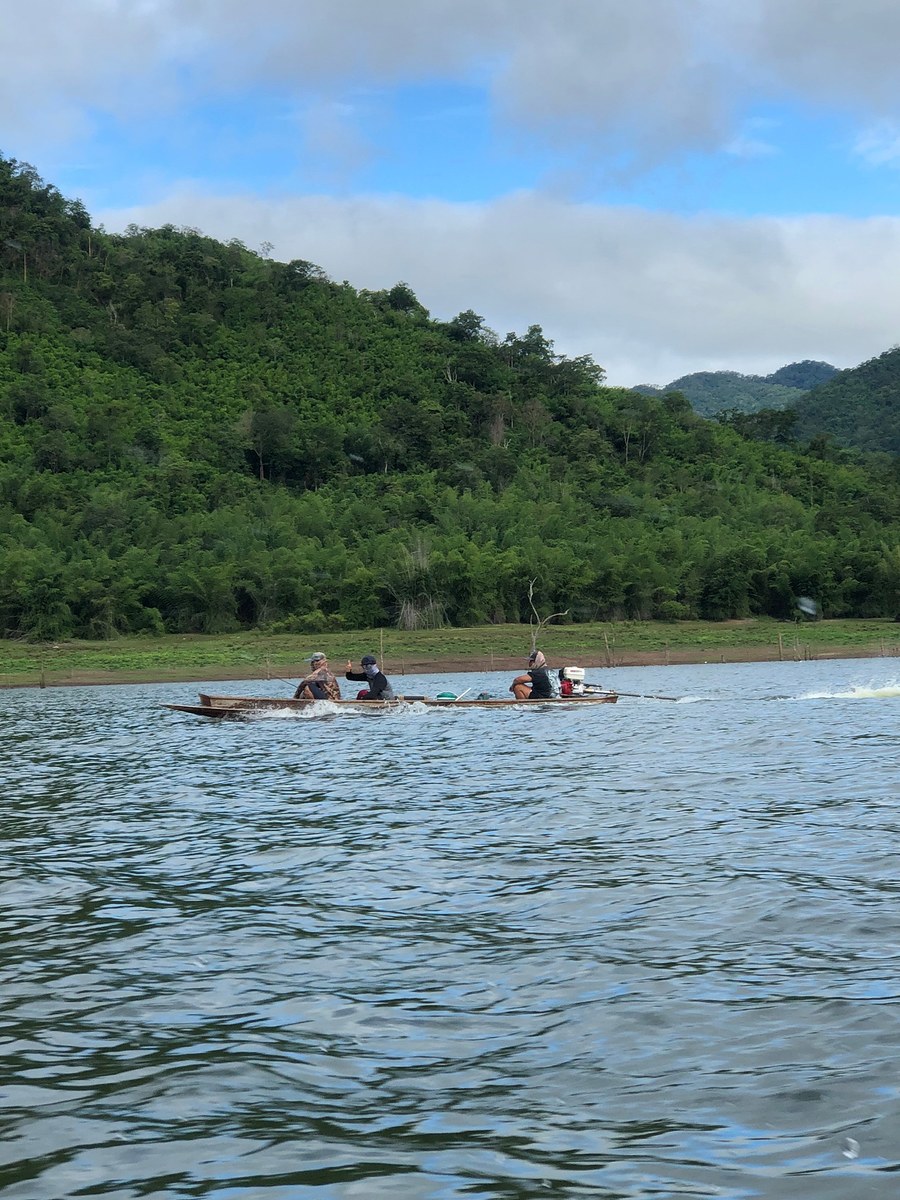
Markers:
(643, 950)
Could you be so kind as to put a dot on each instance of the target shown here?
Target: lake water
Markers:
(643, 950)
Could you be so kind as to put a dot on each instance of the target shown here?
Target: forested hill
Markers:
(193, 437)
(712, 392)
(858, 407)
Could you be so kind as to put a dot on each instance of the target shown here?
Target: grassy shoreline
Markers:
(258, 655)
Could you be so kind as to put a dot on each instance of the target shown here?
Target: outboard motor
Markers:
(574, 676)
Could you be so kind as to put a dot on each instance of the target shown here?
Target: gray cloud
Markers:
(655, 76)
(649, 295)
(827, 51)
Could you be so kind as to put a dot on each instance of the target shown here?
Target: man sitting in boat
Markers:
(535, 683)
(320, 684)
(378, 686)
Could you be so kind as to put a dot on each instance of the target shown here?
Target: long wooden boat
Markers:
(218, 707)
(429, 701)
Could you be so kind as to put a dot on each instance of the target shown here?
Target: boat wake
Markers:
(858, 691)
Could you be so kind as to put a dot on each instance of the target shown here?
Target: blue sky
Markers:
(667, 185)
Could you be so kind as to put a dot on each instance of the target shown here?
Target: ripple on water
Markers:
(642, 950)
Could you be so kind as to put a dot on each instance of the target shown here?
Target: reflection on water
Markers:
(643, 950)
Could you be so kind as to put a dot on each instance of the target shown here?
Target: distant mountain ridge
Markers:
(712, 392)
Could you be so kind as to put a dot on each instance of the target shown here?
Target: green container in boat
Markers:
(445, 696)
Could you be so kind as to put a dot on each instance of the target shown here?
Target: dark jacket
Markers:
(541, 687)
(379, 688)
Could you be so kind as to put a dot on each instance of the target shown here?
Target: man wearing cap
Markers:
(379, 688)
(535, 683)
(320, 684)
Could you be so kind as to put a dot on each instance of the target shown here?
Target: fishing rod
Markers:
(290, 682)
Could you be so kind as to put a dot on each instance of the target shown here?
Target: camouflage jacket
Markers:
(324, 678)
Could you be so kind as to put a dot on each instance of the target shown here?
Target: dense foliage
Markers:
(712, 392)
(859, 407)
(802, 375)
(193, 437)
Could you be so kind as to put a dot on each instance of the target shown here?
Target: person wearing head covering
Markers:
(320, 684)
(378, 686)
(535, 683)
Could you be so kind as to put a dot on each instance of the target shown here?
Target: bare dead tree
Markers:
(541, 621)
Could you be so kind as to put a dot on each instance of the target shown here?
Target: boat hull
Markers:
(429, 701)
(218, 707)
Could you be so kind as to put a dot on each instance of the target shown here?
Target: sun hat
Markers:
(317, 657)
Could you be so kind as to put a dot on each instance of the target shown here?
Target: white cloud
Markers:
(331, 136)
(751, 143)
(651, 296)
(745, 147)
(879, 145)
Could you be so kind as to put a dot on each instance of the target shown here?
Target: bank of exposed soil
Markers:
(448, 664)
